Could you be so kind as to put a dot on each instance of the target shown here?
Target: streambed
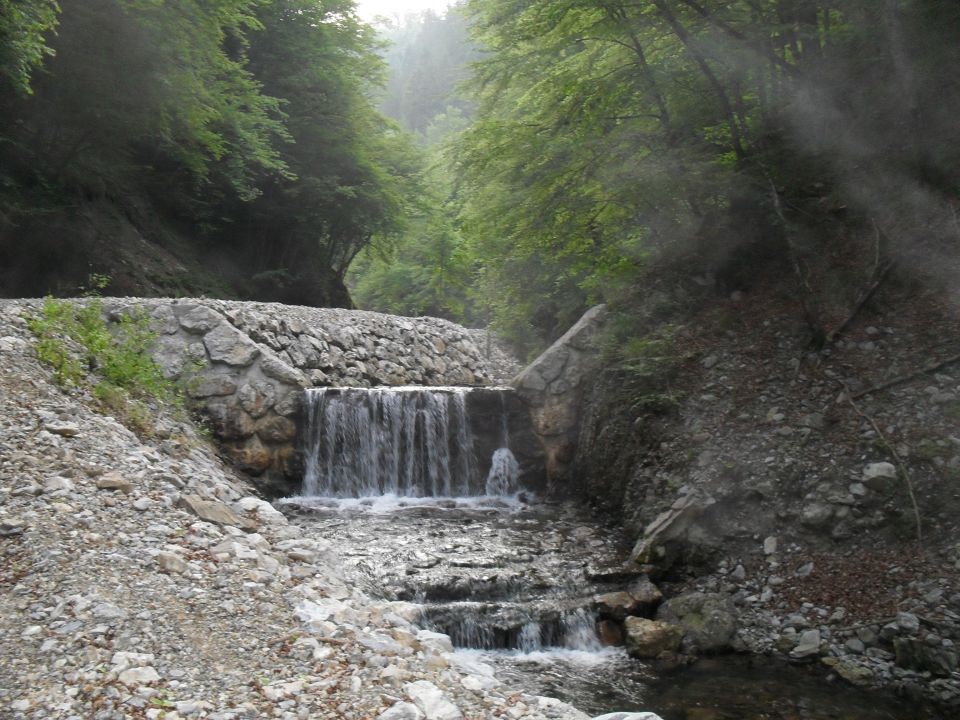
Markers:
(511, 582)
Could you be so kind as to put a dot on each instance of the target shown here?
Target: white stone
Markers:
(809, 644)
(432, 701)
(401, 711)
(437, 642)
(139, 676)
(880, 470)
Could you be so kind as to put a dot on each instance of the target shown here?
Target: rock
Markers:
(204, 386)
(213, 511)
(257, 398)
(114, 481)
(171, 563)
(57, 485)
(277, 430)
(850, 671)
(908, 623)
(915, 654)
(432, 701)
(629, 716)
(648, 638)
(770, 545)
(665, 537)
(401, 711)
(434, 641)
(816, 515)
(230, 422)
(708, 620)
(274, 368)
(10, 526)
(617, 605)
(610, 633)
(879, 476)
(139, 676)
(197, 318)
(229, 346)
(62, 428)
(808, 645)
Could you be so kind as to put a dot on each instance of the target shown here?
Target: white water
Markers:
(399, 442)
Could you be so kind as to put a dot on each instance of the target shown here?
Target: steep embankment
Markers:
(785, 479)
(142, 579)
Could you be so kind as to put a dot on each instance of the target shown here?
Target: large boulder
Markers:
(674, 532)
(708, 620)
(649, 638)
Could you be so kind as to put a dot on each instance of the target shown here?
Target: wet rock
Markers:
(642, 598)
(610, 633)
(629, 716)
(277, 430)
(648, 638)
(708, 620)
(230, 422)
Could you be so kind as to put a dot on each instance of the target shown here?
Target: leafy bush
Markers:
(76, 341)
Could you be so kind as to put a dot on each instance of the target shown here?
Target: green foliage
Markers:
(607, 132)
(246, 126)
(24, 29)
(644, 364)
(76, 342)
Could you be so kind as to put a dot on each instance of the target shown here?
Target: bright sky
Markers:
(368, 9)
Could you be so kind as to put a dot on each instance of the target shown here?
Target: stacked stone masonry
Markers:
(246, 365)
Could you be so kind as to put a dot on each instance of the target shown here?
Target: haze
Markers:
(369, 9)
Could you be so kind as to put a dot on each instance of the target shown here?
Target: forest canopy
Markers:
(243, 130)
(542, 156)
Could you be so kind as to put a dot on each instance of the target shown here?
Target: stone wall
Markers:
(553, 387)
(246, 365)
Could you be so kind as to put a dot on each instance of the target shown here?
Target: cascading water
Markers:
(417, 442)
(405, 441)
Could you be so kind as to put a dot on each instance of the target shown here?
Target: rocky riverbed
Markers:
(141, 578)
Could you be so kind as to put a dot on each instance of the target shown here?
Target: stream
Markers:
(511, 577)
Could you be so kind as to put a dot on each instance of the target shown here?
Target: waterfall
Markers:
(413, 442)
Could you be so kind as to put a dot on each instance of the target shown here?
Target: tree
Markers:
(609, 130)
(25, 27)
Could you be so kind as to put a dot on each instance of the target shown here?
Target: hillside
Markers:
(818, 489)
